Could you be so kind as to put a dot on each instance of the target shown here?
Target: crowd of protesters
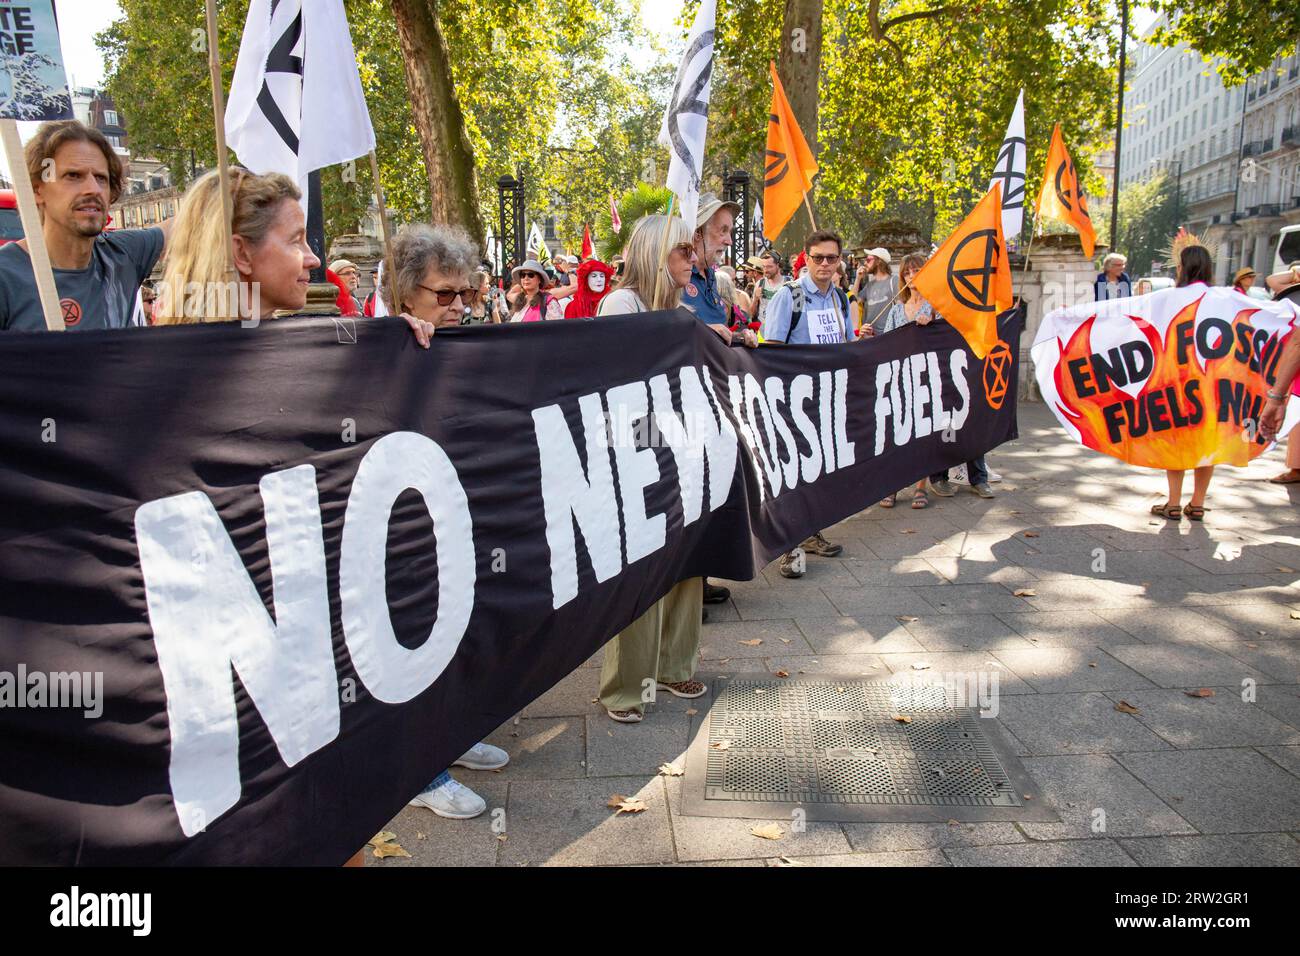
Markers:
(434, 277)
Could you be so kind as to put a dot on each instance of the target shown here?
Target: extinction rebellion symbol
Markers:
(1013, 181)
(972, 285)
(996, 366)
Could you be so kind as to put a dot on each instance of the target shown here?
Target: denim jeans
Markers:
(438, 781)
(977, 473)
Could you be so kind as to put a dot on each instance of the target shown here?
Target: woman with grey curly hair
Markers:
(431, 268)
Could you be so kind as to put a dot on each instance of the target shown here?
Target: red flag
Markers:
(587, 249)
(613, 214)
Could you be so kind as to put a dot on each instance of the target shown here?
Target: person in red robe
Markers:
(594, 281)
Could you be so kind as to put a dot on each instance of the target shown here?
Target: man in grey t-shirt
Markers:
(76, 175)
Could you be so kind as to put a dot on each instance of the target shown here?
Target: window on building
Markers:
(110, 117)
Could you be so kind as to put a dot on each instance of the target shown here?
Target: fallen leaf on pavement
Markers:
(786, 861)
(785, 640)
(1251, 646)
(1025, 592)
(385, 845)
(671, 770)
(920, 666)
(1286, 570)
(1295, 615)
(691, 711)
(1201, 692)
(621, 804)
(908, 531)
(1124, 707)
(501, 837)
(1092, 663)
(754, 643)
(768, 831)
(902, 719)
(906, 619)
(781, 673)
(721, 745)
(1031, 534)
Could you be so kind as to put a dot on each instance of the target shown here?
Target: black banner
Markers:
(262, 585)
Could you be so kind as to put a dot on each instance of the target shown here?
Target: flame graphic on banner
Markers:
(1186, 414)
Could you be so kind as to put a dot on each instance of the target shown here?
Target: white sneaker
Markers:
(993, 475)
(483, 757)
(451, 800)
(958, 473)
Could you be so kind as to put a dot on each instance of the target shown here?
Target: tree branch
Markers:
(880, 30)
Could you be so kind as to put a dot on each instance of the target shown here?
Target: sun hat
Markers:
(531, 265)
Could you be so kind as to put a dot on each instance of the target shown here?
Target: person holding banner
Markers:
(712, 236)
(811, 310)
(1194, 266)
(663, 643)
(77, 175)
(431, 269)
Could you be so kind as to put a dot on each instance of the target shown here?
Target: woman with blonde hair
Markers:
(663, 643)
(271, 260)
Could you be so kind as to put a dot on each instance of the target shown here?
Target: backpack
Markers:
(799, 299)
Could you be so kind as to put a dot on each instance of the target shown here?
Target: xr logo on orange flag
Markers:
(968, 281)
(1062, 197)
(790, 165)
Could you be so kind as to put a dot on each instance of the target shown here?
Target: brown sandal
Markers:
(1286, 478)
(920, 500)
(1194, 512)
(1172, 512)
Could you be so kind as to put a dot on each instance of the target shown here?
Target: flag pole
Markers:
(808, 206)
(31, 220)
(383, 222)
(219, 125)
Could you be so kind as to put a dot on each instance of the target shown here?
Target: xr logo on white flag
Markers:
(1009, 172)
(686, 119)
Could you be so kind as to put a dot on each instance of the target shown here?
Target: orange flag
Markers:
(790, 164)
(1062, 197)
(968, 281)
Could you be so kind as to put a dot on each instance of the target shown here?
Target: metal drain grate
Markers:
(833, 748)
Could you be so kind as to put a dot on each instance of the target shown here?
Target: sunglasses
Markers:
(685, 248)
(824, 260)
(447, 296)
(530, 275)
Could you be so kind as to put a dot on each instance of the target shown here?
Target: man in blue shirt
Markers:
(712, 235)
(811, 310)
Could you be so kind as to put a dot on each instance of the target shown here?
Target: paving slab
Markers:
(966, 599)
(1282, 701)
(940, 664)
(1223, 720)
(1066, 853)
(436, 841)
(716, 838)
(1068, 628)
(571, 697)
(1221, 791)
(726, 641)
(1287, 757)
(1172, 625)
(869, 666)
(566, 823)
(1247, 621)
(1053, 724)
(879, 838)
(1247, 849)
(965, 632)
(1097, 798)
(798, 598)
(1060, 669)
(615, 749)
(864, 634)
(541, 748)
(875, 601)
(1278, 660)
(906, 858)
(1184, 665)
(905, 572)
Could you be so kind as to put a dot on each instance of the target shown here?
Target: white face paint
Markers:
(596, 281)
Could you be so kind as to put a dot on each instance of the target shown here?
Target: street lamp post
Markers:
(510, 220)
(736, 189)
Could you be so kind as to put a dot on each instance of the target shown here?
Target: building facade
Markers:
(1232, 153)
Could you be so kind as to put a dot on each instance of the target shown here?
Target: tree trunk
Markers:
(799, 66)
(448, 154)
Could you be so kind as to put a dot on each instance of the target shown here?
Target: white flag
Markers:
(686, 120)
(537, 248)
(1009, 171)
(296, 102)
(760, 241)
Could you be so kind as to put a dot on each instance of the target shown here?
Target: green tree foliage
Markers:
(915, 98)
(643, 199)
(1248, 34)
(1149, 216)
(552, 93)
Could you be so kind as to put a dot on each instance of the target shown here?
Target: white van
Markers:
(1288, 248)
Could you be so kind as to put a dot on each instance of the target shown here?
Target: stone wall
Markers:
(1058, 275)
